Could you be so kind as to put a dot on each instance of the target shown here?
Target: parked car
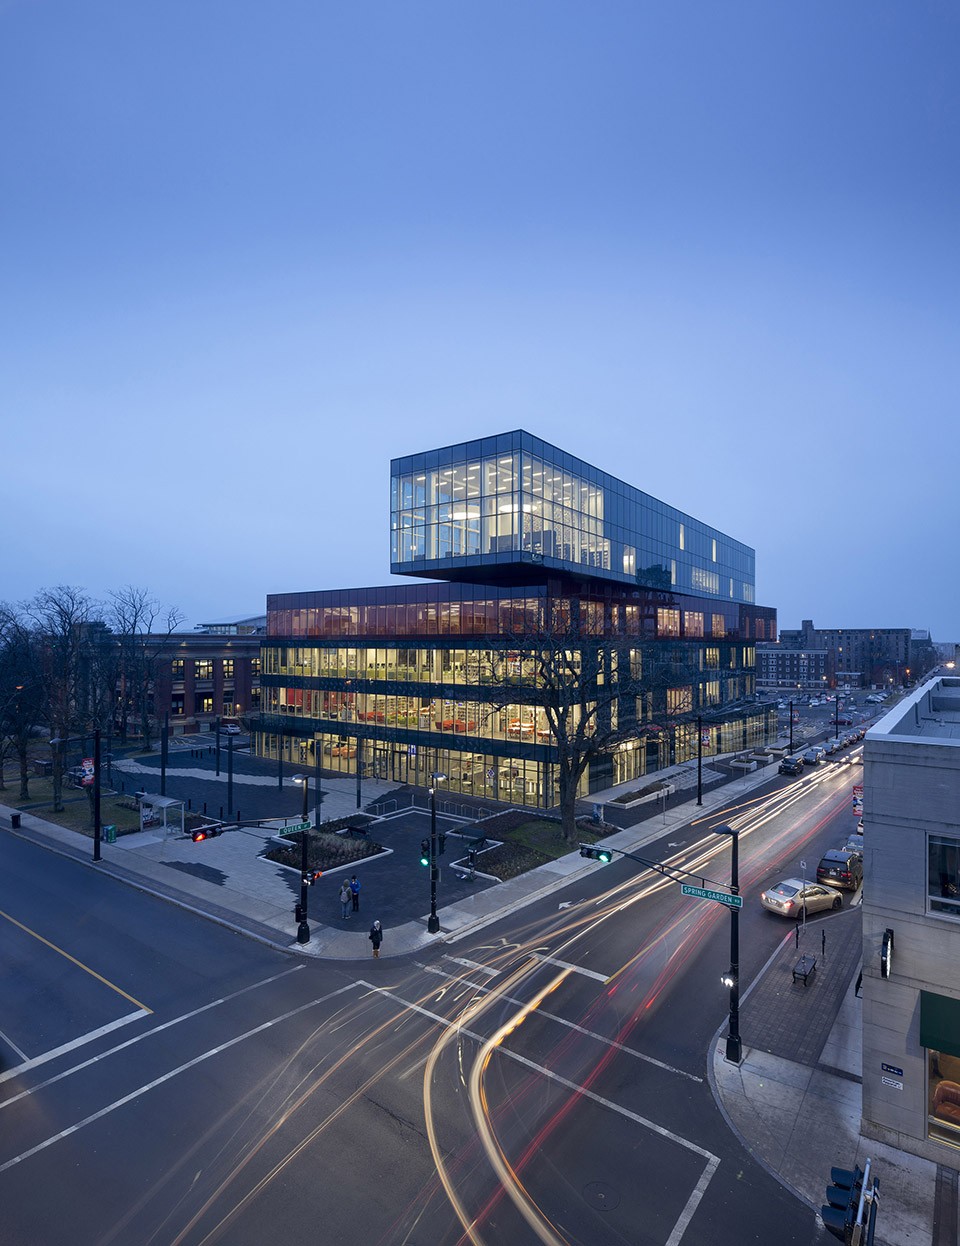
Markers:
(791, 765)
(840, 868)
(855, 842)
(790, 897)
(813, 756)
(230, 729)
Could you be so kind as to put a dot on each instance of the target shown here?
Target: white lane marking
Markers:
(548, 1073)
(166, 1025)
(571, 1025)
(565, 964)
(166, 1077)
(13, 1046)
(693, 1202)
(472, 964)
(74, 1044)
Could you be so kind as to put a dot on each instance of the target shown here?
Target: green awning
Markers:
(940, 1023)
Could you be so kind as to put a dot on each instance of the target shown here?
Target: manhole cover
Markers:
(602, 1196)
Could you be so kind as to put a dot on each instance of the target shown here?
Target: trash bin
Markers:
(15, 821)
(110, 833)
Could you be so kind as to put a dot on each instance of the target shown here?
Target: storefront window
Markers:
(943, 878)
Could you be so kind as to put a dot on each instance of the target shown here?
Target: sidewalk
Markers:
(794, 1101)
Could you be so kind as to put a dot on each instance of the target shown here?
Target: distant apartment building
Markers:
(791, 670)
(201, 677)
(911, 924)
(865, 657)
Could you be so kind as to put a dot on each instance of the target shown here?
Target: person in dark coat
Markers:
(376, 937)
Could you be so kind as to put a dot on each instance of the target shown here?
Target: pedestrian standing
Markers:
(376, 937)
(355, 893)
(345, 894)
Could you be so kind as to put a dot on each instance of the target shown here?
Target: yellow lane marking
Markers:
(73, 960)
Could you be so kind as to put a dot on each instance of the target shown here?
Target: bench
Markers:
(805, 967)
(354, 832)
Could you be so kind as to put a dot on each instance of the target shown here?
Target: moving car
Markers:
(229, 728)
(790, 897)
(840, 868)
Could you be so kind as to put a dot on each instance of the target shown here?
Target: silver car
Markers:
(792, 895)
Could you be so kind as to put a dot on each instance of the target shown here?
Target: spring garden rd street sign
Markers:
(732, 902)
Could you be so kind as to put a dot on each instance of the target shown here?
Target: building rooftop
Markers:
(930, 713)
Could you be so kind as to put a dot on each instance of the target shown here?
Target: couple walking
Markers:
(350, 897)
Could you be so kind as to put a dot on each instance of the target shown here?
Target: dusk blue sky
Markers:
(250, 252)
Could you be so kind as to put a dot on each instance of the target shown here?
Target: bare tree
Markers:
(66, 627)
(143, 632)
(581, 679)
(21, 700)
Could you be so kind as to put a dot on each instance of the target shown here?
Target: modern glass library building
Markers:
(406, 681)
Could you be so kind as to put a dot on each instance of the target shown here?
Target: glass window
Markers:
(943, 1097)
(693, 623)
(203, 668)
(176, 704)
(228, 668)
(668, 622)
(176, 669)
(943, 880)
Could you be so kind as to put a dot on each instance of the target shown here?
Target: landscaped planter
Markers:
(632, 801)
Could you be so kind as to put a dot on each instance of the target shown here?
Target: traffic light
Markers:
(850, 1212)
(424, 851)
(442, 842)
(205, 832)
(472, 857)
(839, 1214)
(596, 854)
(311, 877)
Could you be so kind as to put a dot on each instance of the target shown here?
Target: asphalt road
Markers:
(164, 1080)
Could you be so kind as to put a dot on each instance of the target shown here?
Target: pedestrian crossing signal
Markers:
(424, 851)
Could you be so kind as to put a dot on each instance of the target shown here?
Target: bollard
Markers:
(204, 808)
(221, 813)
(15, 821)
(823, 944)
(189, 802)
(238, 815)
(796, 935)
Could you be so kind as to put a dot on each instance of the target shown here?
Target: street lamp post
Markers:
(303, 929)
(791, 726)
(699, 760)
(732, 978)
(433, 922)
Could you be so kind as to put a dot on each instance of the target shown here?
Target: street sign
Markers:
(733, 902)
(293, 830)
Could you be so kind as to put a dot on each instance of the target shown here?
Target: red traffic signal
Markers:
(205, 832)
(311, 877)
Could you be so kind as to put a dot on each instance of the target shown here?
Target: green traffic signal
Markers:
(596, 854)
(424, 851)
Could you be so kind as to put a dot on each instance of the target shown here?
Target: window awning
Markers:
(940, 1023)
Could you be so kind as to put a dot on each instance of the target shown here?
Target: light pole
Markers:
(791, 726)
(836, 717)
(433, 922)
(303, 929)
(732, 978)
(699, 760)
